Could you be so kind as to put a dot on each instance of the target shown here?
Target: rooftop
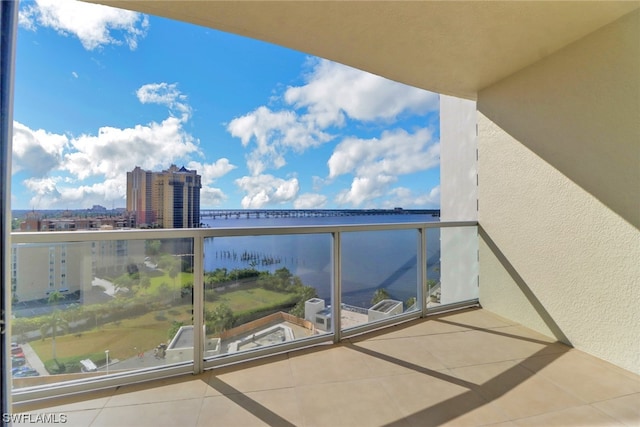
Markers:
(469, 368)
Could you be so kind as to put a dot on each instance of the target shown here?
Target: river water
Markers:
(370, 260)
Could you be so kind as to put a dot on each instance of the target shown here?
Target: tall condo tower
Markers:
(167, 199)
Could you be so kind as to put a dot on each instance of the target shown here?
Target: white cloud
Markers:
(64, 169)
(211, 197)
(334, 90)
(56, 193)
(164, 94)
(266, 190)
(113, 151)
(274, 134)
(364, 189)
(209, 172)
(332, 93)
(36, 152)
(318, 183)
(310, 201)
(401, 196)
(42, 186)
(396, 152)
(376, 163)
(94, 25)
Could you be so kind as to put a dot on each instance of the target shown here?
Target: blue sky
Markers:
(99, 91)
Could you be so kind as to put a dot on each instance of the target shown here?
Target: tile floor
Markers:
(468, 368)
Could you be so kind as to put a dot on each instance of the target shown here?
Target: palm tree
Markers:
(55, 323)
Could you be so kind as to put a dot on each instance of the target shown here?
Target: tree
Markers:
(56, 322)
(54, 298)
(123, 283)
(174, 269)
(74, 313)
(145, 281)
(410, 302)
(220, 319)
(175, 327)
(97, 311)
(303, 294)
(379, 295)
(152, 247)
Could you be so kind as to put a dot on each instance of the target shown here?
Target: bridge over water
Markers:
(302, 213)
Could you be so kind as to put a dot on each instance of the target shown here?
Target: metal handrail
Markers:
(178, 233)
(199, 235)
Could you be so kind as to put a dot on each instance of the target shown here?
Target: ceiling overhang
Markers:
(455, 48)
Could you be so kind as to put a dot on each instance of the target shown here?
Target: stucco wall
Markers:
(559, 191)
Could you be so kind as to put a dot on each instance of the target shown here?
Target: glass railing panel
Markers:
(87, 309)
(434, 291)
(454, 278)
(380, 277)
(261, 291)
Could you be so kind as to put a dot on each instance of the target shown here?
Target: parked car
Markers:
(29, 372)
(16, 349)
(17, 361)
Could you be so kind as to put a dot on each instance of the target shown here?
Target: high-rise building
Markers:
(167, 199)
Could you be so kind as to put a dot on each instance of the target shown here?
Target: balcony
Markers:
(464, 368)
(126, 306)
(418, 355)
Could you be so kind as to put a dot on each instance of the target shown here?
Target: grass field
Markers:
(125, 338)
(248, 299)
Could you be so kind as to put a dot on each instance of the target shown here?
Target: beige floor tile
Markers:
(535, 396)
(397, 356)
(263, 408)
(580, 416)
(474, 318)
(345, 404)
(428, 401)
(516, 390)
(183, 387)
(76, 402)
(462, 369)
(504, 424)
(272, 373)
(590, 379)
(338, 363)
(493, 380)
(415, 328)
(183, 413)
(625, 409)
(486, 346)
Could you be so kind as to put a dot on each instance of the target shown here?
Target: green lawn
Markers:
(120, 338)
(125, 338)
(249, 299)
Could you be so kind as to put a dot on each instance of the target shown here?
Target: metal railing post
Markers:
(198, 304)
(422, 271)
(337, 287)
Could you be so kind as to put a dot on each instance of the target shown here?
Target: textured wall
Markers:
(559, 180)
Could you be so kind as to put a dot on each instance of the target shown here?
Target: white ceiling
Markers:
(455, 48)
